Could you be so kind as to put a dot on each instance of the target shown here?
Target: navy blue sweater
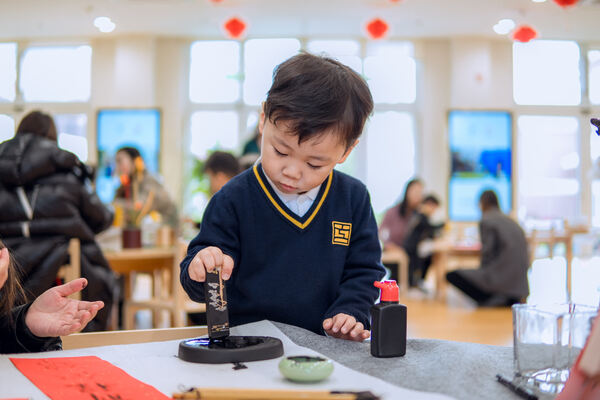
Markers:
(291, 269)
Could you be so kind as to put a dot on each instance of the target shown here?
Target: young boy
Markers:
(295, 240)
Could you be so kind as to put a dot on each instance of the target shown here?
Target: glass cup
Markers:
(547, 340)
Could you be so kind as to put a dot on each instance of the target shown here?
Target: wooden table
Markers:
(147, 260)
(444, 251)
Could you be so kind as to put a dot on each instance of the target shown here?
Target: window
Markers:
(214, 72)
(390, 146)
(548, 182)
(594, 76)
(537, 65)
(391, 73)
(56, 74)
(72, 134)
(481, 150)
(345, 51)
(8, 71)
(212, 130)
(7, 127)
(261, 56)
(226, 95)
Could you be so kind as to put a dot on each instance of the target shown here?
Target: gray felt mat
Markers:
(461, 370)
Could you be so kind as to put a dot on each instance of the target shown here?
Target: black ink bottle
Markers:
(388, 323)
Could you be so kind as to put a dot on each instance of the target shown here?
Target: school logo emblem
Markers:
(341, 233)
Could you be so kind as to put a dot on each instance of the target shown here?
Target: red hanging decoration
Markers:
(234, 27)
(377, 28)
(566, 3)
(524, 34)
(216, 1)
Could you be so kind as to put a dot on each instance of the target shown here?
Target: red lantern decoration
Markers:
(524, 34)
(216, 1)
(566, 3)
(377, 28)
(234, 27)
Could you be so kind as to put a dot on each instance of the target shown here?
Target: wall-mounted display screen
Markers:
(481, 151)
(116, 128)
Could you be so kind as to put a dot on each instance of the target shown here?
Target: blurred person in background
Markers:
(220, 168)
(139, 185)
(45, 200)
(394, 227)
(501, 279)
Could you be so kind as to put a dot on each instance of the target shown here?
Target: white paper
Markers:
(157, 364)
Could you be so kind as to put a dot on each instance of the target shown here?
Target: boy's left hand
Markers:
(344, 326)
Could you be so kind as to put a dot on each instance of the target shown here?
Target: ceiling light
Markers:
(539, 1)
(504, 26)
(104, 24)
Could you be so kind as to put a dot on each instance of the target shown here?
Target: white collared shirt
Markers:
(299, 204)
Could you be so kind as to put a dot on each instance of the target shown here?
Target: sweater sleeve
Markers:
(219, 228)
(363, 266)
(17, 338)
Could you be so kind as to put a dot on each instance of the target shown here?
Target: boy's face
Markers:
(296, 168)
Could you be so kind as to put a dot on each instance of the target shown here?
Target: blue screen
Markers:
(481, 151)
(139, 128)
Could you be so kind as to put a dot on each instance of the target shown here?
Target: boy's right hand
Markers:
(208, 259)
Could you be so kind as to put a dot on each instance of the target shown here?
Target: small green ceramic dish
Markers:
(305, 368)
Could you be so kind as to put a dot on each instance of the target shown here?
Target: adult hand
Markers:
(209, 259)
(4, 263)
(54, 314)
(344, 326)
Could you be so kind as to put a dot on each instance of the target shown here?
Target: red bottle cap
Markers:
(389, 290)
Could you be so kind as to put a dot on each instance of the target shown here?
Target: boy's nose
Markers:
(291, 172)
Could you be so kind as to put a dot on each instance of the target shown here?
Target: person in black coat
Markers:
(44, 202)
(36, 326)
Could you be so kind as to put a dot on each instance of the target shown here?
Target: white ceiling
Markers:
(40, 19)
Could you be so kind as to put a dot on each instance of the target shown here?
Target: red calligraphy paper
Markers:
(89, 378)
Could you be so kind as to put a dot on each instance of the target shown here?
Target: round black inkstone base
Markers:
(230, 349)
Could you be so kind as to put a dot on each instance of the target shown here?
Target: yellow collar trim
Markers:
(283, 212)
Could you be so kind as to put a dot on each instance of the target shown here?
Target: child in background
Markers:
(418, 243)
(296, 240)
(220, 168)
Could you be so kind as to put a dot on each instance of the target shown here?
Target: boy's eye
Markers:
(314, 166)
(279, 153)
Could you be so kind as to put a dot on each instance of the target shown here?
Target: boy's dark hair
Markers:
(488, 199)
(221, 161)
(38, 123)
(315, 94)
(431, 199)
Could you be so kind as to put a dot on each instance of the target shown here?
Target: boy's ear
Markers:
(347, 153)
(261, 118)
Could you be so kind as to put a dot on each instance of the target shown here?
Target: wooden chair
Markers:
(168, 295)
(72, 270)
(400, 258)
(552, 237)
